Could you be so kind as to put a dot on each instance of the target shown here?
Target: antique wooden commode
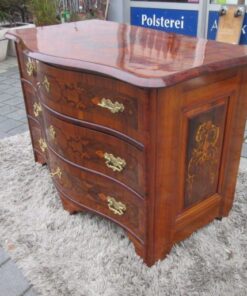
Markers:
(143, 127)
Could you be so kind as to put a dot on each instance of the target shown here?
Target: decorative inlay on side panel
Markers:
(205, 136)
(205, 153)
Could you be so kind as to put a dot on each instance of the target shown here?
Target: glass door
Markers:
(180, 16)
(213, 18)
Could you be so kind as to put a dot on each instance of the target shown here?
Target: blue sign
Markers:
(169, 20)
(213, 20)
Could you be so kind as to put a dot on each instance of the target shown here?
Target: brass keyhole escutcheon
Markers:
(52, 132)
(117, 207)
(37, 109)
(42, 144)
(113, 107)
(57, 172)
(31, 67)
(114, 163)
(46, 84)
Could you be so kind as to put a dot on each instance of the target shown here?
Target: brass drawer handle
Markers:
(117, 207)
(114, 163)
(42, 144)
(57, 172)
(37, 109)
(113, 107)
(31, 67)
(46, 84)
(52, 132)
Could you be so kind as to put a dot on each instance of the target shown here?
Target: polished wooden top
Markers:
(139, 56)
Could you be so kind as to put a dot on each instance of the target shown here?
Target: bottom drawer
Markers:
(100, 195)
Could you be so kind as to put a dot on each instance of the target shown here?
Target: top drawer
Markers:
(95, 99)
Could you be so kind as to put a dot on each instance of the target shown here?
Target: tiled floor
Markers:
(12, 111)
(13, 121)
(12, 282)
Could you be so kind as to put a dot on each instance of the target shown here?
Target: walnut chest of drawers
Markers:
(142, 127)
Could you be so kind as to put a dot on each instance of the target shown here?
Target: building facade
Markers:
(190, 17)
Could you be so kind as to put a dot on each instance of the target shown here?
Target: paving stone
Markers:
(18, 130)
(12, 282)
(30, 292)
(2, 118)
(7, 72)
(13, 90)
(7, 68)
(7, 109)
(17, 115)
(244, 150)
(4, 97)
(13, 82)
(2, 78)
(3, 256)
(15, 100)
(15, 76)
(9, 124)
(24, 120)
(3, 135)
(20, 95)
(21, 106)
(10, 63)
(3, 69)
(18, 87)
(243, 163)
(4, 86)
(12, 72)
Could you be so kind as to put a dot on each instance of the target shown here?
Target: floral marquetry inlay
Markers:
(204, 155)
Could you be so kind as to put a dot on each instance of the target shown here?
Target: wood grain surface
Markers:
(91, 191)
(176, 118)
(87, 148)
(79, 95)
(136, 55)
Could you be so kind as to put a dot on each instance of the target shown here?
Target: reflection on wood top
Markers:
(139, 56)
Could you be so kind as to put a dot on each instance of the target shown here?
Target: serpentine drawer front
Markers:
(99, 100)
(35, 120)
(33, 105)
(142, 127)
(38, 141)
(100, 195)
(97, 151)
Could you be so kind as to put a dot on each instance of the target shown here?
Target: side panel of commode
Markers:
(198, 121)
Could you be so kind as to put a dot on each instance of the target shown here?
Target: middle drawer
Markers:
(93, 150)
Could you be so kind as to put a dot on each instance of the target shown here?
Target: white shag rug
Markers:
(90, 256)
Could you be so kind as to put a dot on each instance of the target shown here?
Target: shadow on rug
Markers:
(88, 255)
